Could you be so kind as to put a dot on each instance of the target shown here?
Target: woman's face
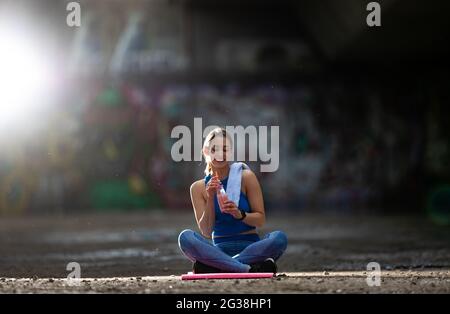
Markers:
(218, 153)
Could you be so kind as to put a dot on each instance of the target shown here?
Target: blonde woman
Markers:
(236, 245)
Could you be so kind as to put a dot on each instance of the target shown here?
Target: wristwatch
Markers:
(243, 213)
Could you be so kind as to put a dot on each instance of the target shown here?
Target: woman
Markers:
(236, 246)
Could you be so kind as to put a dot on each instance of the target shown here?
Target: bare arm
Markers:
(252, 189)
(203, 203)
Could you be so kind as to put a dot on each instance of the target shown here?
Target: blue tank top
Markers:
(225, 224)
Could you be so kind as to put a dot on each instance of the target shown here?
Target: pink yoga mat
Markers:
(192, 276)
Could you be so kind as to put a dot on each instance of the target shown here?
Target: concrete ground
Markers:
(138, 253)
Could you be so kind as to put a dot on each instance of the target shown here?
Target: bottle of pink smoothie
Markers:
(221, 197)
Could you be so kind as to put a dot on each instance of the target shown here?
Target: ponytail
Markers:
(208, 168)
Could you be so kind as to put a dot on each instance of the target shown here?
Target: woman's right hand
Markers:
(212, 187)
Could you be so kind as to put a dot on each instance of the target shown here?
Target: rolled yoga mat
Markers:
(192, 276)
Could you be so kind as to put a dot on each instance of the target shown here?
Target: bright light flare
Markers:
(26, 77)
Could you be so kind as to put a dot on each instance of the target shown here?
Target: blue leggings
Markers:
(234, 255)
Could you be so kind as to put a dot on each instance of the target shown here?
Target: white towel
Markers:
(234, 181)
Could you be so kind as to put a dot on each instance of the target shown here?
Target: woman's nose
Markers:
(219, 156)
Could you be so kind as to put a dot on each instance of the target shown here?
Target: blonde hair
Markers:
(211, 135)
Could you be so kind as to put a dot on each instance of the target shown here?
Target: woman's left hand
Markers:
(230, 207)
